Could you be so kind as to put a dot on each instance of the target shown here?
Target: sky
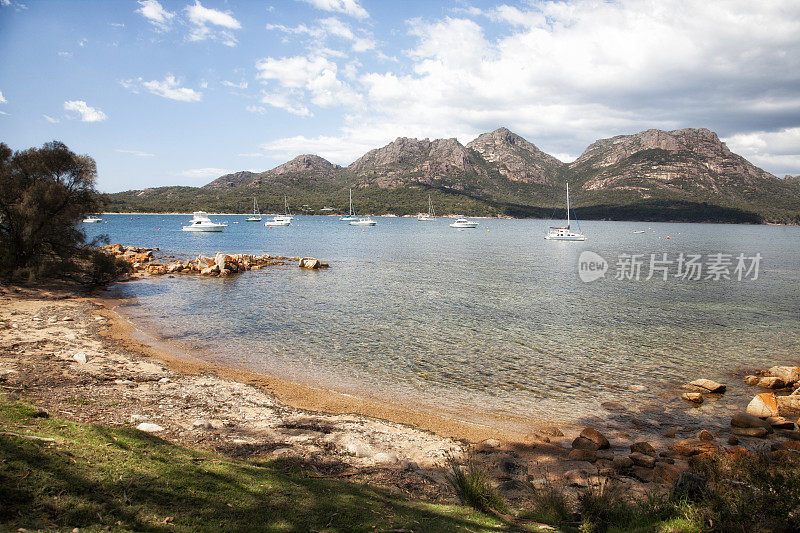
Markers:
(163, 92)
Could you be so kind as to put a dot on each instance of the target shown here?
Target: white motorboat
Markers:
(431, 215)
(256, 216)
(201, 222)
(563, 233)
(363, 222)
(463, 223)
(281, 220)
(351, 216)
(92, 219)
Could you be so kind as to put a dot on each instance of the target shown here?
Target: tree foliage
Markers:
(44, 192)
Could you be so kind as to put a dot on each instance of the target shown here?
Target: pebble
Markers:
(148, 427)
(80, 357)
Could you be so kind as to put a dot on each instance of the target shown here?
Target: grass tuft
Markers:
(472, 486)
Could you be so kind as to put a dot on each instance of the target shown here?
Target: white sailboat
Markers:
(351, 214)
(563, 233)
(281, 220)
(256, 217)
(431, 215)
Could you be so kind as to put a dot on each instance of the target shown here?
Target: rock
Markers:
(670, 434)
(582, 454)
(751, 432)
(596, 437)
(752, 380)
(385, 458)
(794, 435)
(80, 357)
(743, 420)
(763, 405)
(578, 478)
(309, 262)
(202, 423)
(643, 460)
(771, 382)
(643, 447)
(732, 440)
(705, 435)
(788, 374)
(137, 419)
(693, 447)
(509, 465)
(582, 443)
(779, 422)
(210, 271)
(665, 473)
(148, 427)
(705, 385)
(622, 463)
(492, 443)
(788, 403)
(605, 454)
(693, 397)
(642, 473)
(689, 485)
(164, 380)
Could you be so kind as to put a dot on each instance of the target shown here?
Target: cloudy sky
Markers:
(164, 92)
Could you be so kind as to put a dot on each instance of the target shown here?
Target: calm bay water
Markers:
(487, 323)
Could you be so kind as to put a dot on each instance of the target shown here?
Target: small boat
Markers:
(201, 222)
(352, 214)
(256, 216)
(563, 233)
(363, 222)
(463, 223)
(281, 220)
(431, 215)
(92, 219)
(639, 231)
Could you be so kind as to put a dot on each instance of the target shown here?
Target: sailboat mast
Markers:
(351, 202)
(567, 205)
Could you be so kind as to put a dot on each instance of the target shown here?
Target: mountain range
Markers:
(681, 175)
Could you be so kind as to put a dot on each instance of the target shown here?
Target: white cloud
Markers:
(86, 112)
(341, 150)
(256, 154)
(348, 7)
(777, 150)
(155, 14)
(3, 113)
(3, 98)
(202, 173)
(137, 153)
(206, 23)
(257, 109)
(232, 85)
(5, 3)
(283, 101)
(83, 42)
(50, 119)
(312, 78)
(65, 54)
(169, 88)
(329, 28)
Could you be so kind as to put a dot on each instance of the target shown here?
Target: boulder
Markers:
(582, 443)
(385, 458)
(752, 380)
(622, 463)
(210, 271)
(705, 435)
(693, 397)
(148, 427)
(744, 420)
(579, 454)
(788, 403)
(643, 447)
(788, 374)
(596, 437)
(751, 432)
(778, 422)
(705, 385)
(665, 473)
(640, 459)
(309, 263)
(204, 262)
(763, 405)
(688, 447)
(771, 382)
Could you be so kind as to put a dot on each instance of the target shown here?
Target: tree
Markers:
(44, 193)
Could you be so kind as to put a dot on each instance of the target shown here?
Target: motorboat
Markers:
(256, 216)
(201, 222)
(351, 216)
(92, 219)
(563, 233)
(464, 223)
(281, 220)
(363, 222)
(430, 216)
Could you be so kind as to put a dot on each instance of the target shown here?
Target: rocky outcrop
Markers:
(302, 167)
(516, 158)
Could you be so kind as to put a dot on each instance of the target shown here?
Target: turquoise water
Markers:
(484, 324)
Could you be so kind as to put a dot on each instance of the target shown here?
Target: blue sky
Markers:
(180, 92)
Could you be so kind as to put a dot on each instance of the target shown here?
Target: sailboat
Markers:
(256, 217)
(281, 220)
(563, 233)
(431, 215)
(352, 214)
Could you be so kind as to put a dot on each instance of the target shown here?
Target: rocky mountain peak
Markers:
(517, 158)
(308, 163)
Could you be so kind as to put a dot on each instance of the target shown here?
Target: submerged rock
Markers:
(693, 397)
(744, 420)
(705, 385)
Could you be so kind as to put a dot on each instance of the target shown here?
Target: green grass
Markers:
(472, 486)
(92, 477)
